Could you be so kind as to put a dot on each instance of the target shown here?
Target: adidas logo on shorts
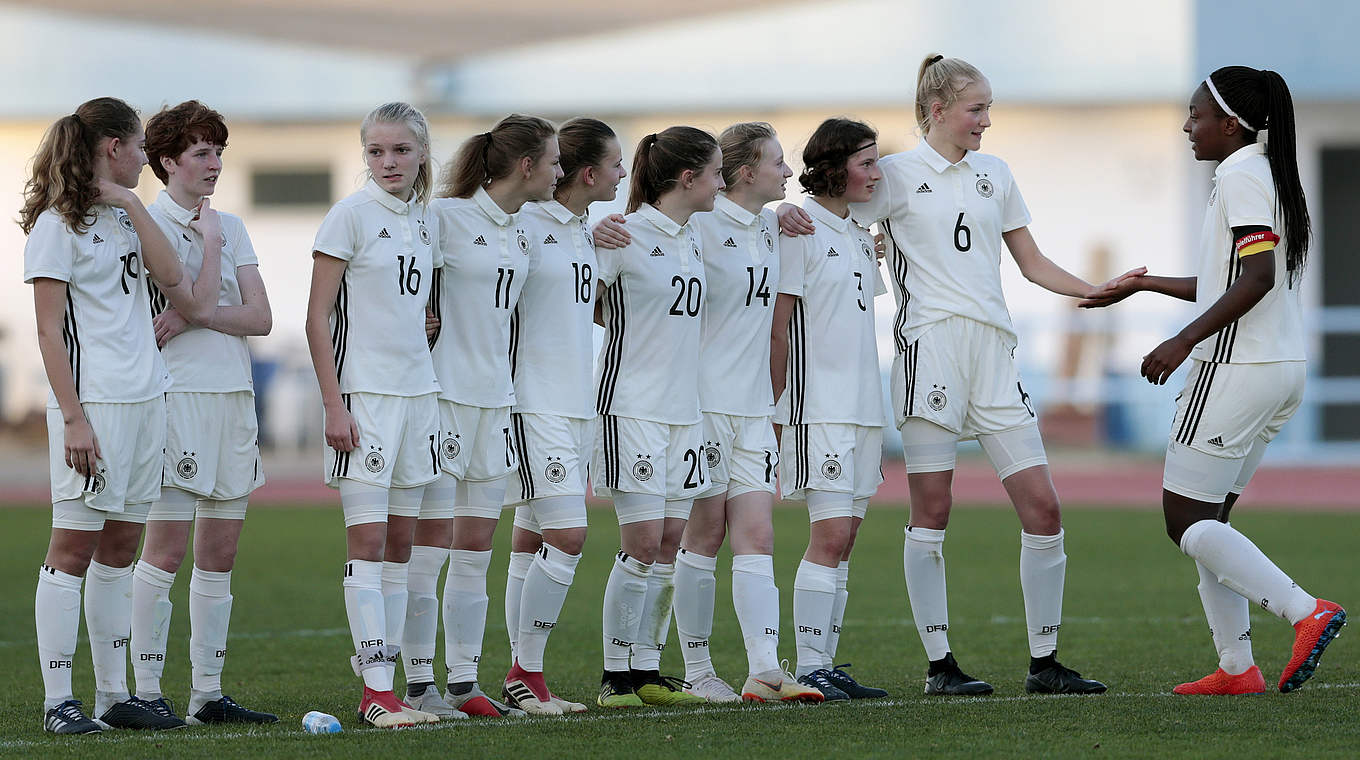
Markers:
(383, 235)
(729, 243)
(550, 240)
(924, 188)
(479, 241)
(658, 252)
(1216, 441)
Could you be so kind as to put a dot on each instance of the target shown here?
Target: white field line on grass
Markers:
(601, 715)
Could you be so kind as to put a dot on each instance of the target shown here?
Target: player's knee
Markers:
(569, 540)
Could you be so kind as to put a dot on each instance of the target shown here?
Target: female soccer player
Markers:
(373, 264)
(824, 367)
(553, 420)
(946, 210)
(212, 457)
(1247, 375)
(91, 244)
(649, 453)
(486, 258)
(737, 399)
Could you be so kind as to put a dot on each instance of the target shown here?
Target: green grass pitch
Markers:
(1132, 619)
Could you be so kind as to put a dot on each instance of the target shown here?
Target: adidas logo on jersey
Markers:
(98, 239)
(729, 243)
(924, 188)
(479, 241)
(383, 235)
(658, 252)
(549, 240)
(1216, 441)
(831, 252)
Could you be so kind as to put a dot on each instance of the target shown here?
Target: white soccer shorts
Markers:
(554, 456)
(641, 456)
(828, 456)
(131, 440)
(398, 442)
(212, 445)
(961, 375)
(475, 443)
(741, 453)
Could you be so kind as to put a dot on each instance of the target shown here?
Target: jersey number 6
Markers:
(963, 237)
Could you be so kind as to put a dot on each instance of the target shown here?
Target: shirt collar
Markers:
(1238, 156)
(488, 205)
(737, 213)
(822, 215)
(559, 212)
(180, 214)
(389, 201)
(937, 162)
(659, 220)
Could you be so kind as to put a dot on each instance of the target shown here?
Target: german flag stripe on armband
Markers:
(1255, 242)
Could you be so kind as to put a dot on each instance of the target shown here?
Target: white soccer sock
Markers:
(422, 613)
(923, 564)
(1242, 567)
(814, 596)
(514, 596)
(465, 603)
(1043, 568)
(151, 610)
(394, 578)
(367, 621)
(833, 636)
(655, 626)
(209, 618)
(1229, 619)
(108, 620)
(756, 600)
(545, 590)
(694, 583)
(624, 594)
(56, 613)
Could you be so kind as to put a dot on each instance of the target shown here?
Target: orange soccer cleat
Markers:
(1311, 637)
(1220, 683)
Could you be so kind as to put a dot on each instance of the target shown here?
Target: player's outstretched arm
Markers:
(1256, 280)
(1040, 269)
(342, 434)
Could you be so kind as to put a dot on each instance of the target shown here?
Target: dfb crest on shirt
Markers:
(374, 461)
(642, 469)
(695, 246)
(984, 186)
(126, 221)
(831, 468)
(522, 241)
(712, 454)
(187, 467)
(866, 249)
(768, 238)
(424, 234)
(450, 447)
(555, 472)
(936, 399)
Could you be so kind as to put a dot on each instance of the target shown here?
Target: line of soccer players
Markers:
(451, 332)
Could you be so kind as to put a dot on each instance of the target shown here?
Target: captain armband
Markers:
(1255, 242)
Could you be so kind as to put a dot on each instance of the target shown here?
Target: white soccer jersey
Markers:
(833, 371)
(551, 329)
(203, 360)
(944, 224)
(107, 327)
(1272, 331)
(378, 320)
(742, 270)
(486, 260)
(649, 364)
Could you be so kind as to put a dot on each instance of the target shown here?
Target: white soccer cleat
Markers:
(778, 686)
(714, 689)
(567, 705)
(432, 702)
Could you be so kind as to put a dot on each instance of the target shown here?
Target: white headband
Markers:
(1222, 104)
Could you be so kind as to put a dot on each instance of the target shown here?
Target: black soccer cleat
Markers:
(821, 681)
(141, 715)
(854, 689)
(68, 718)
(1057, 679)
(948, 679)
(225, 710)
